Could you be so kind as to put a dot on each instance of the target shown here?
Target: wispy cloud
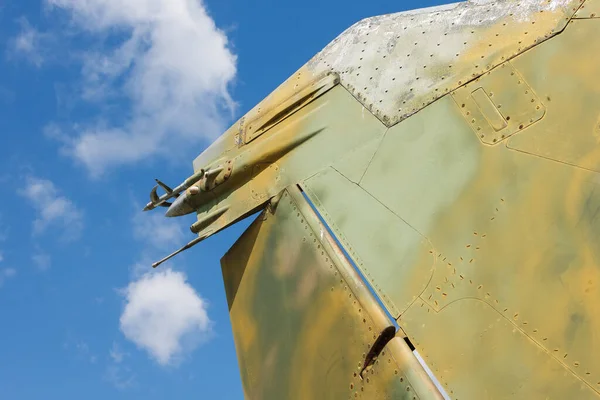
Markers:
(80, 349)
(83, 351)
(116, 354)
(154, 230)
(53, 209)
(120, 376)
(30, 44)
(165, 316)
(117, 373)
(5, 274)
(169, 72)
(41, 260)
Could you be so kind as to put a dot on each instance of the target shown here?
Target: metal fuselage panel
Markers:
(454, 153)
(302, 320)
(512, 307)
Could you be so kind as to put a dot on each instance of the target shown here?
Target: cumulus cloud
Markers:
(157, 231)
(53, 209)
(171, 67)
(165, 316)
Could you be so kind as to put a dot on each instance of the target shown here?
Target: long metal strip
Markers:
(399, 349)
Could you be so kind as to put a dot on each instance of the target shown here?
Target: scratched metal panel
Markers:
(589, 9)
(515, 231)
(564, 72)
(301, 331)
(389, 252)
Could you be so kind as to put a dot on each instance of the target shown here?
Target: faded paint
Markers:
(483, 243)
(589, 9)
(315, 349)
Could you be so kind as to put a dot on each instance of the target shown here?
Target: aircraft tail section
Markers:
(305, 324)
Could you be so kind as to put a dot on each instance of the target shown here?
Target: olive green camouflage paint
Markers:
(303, 319)
(454, 153)
(514, 228)
(390, 67)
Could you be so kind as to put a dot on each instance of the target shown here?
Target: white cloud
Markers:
(117, 373)
(42, 260)
(120, 376)
(172, 66)
(82, 350)
(165, 316)
(116, 354)
(157, 231)
(29, 43)
(52, 209)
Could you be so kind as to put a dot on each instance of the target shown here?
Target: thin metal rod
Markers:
(187, 246)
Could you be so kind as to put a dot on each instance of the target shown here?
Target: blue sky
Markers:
(97, 98)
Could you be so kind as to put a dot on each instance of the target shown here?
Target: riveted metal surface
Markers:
(300, 323)
(295, 149)
(388, 251)
(476, 353)
(589, 9)
(488, 255)
(398, 63)
(447, 47)
(564, 72)
(280, 112)
(515, 231)
(499, 104)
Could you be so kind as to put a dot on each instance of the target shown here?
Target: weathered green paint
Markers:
(564, 72)
(301, 325)
(589, 9)
(518, 234)
(423, 164)
(477, 225)
(312, 137)
(381, 244)
(354, 165)
(478, 354)
(499, 104)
